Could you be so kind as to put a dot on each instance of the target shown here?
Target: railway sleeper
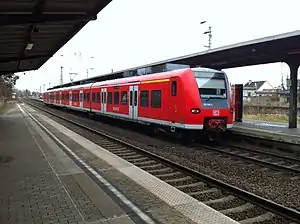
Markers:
(237, 209)
(125, 153)
(208, 191)
(149, 165)
(267, 160)
(134, 161)
(220, 200)
(158, 171)
(293, 166)
(174, 173)
(182, 179)
(261, 218)
(279, 163)
(127, 157)
(197, 184)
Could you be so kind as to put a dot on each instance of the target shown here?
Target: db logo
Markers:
(216, 113)
(116, 108)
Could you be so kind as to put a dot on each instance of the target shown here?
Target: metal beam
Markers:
(37, 11)
(5, 60)
(294, 65)
(9, 19)
(6, 72)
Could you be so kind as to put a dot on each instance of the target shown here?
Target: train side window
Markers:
(93, 97)
(124, 98)
(109, 97)
(98, 97)
(174, 88)
(130, 98)
(104, 97)
(135, 97)
(80, 97)
(156, 98)
(116, 98)
(144, 98)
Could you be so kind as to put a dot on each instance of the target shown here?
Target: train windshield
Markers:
(211, 85)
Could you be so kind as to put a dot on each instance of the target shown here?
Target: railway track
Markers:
(234, 202)
(266, 160)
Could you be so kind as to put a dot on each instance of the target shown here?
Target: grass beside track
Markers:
(269, 117)
(6, 107)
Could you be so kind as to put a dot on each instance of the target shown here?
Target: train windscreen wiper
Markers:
(214, 97)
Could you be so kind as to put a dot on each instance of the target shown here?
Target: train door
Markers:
(60, 98)
(81, 98)
(133, 102)
(70, 98)
(173, 102)
(103, 102)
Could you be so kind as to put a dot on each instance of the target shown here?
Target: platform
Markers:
(50, 174)
(274, 131)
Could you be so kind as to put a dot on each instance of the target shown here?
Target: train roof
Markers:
(133, 79)
(162, 75)
(201, 69)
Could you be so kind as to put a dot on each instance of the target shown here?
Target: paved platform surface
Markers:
(40, 184)
(50, 174)
(268, 130)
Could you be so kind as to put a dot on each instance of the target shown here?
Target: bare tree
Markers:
(7, 83)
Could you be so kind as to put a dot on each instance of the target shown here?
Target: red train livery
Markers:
(179, 100)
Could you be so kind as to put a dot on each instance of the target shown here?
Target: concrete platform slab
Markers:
(157, 199)
(267, 130)
(41, 184)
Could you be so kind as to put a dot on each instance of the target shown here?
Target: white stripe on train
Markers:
(142, 120)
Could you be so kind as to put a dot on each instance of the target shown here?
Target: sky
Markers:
(129, 33)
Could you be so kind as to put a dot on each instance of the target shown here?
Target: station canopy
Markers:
(277, 48)
(32, 31)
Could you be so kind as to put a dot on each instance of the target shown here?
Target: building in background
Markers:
(255, 88)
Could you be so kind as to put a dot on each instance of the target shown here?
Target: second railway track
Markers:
(232, 201)
(279, 163)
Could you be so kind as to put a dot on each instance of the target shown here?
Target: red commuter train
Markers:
(192, 99)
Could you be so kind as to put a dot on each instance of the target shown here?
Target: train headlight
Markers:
(195, 110)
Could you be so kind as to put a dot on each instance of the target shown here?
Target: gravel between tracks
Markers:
(276, 188)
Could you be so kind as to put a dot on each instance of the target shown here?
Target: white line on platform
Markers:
(126, 201)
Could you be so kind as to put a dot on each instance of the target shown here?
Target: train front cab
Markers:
(208, 98)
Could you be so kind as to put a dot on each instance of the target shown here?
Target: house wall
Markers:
(266, 85)
(249, 93)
